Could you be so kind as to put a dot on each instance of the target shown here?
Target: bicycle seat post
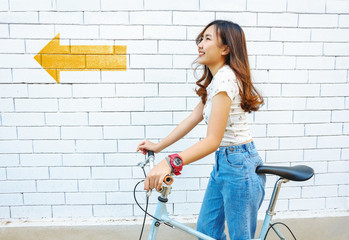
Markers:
(275, 195)
(270, 211)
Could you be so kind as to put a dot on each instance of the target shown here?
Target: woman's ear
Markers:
(226, 50)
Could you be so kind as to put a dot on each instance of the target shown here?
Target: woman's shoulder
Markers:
(225, 73)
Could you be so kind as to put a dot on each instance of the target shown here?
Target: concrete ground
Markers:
(333, 228)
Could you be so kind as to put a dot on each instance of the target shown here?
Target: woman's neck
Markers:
(214, 69)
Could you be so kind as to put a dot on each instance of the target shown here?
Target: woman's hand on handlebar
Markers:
(146, 146)
(156, 176)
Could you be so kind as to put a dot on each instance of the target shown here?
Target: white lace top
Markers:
(237, 130)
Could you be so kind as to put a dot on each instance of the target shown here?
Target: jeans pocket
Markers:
(235, 160)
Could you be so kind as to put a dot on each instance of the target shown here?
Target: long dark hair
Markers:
(232, 35)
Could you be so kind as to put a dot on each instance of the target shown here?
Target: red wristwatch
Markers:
(176, 163)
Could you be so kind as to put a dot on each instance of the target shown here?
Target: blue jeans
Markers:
(234, 193)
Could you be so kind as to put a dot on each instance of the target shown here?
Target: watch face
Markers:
(177, 161)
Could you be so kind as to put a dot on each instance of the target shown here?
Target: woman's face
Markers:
(210, 48)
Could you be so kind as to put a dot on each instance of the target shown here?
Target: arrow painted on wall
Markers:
(55, 57)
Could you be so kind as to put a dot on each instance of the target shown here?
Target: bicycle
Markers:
(294, 173)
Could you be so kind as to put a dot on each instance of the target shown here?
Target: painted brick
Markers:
(165, 75)
(324, 103)
(337, 90)
(327, 76)
(266, 6)
(146, 118)
(33, 212)
(285, 130)
(83, 160)
(106, 18)
(85, 198)
(121, 5)
(331, 35)
(170, 5)
(123, 76)
(98, 185)
(8, 160)
(276, 62)
(343, 20)
(71, 211)
(4, 30)
(301, 49)
(93, 90)
(8, 133)
(61, 17)
(273, 117)
(306, 204)
(49, 91)
(312, 6)
(11, 199)
(323, 129)
(6, 105)
(123, 132)
(318, 20)
(336, 49)
(286, 103)
(43, 198)
(82, 132)
(66, 5)
(40, 160)
(321, 154)
(290, 34)
(16, 146)
(11, 45)
(277, 19)
(311, 116)
(96, 146)
(77, 105)
(70, 173)
(297, 142)
(54, 146)
(151, 61)
(242, 18)
(177, 47)
(112, 210)
(57, 185)
(38, 133)
(36, 105)
(265, 48)
(31, 31)
(153, 17)
(66, 119)
(109, 118)
(161, 104)
(223, 5)
(22, 5)
(121, 32)
(4, 5)
(340, 116)
(186, 18)
(27, 173)
(111, 172)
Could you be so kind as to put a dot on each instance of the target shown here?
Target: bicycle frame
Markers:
(162, 214)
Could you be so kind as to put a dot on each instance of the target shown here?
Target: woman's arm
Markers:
(184, 127)
(180, 131)
(215, 130)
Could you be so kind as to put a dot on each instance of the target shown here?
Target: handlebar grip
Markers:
(168, 180)
(150, 153)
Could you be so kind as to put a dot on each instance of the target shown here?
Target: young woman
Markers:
(234, 192)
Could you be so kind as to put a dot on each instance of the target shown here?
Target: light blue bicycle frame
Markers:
(162, 215)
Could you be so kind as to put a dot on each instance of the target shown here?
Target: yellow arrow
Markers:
(55, 58)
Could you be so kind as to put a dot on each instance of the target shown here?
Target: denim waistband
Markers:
(238, 148)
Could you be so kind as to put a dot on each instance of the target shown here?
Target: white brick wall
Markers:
(68, 149)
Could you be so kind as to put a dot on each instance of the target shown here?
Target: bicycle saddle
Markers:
(295, 173)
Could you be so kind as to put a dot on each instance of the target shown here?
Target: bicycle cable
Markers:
(146, 207)
(274, 230)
